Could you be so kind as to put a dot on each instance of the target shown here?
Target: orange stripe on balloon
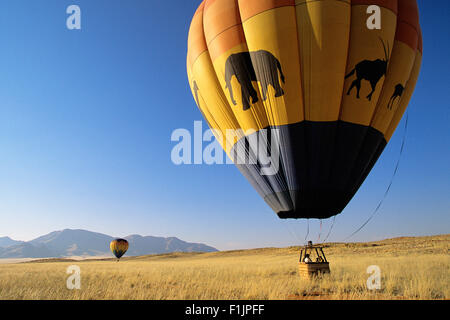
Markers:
(300, 2)
(408, 23)
(409, 12)
(407, 34)
(225, 33)
(250, 8)
(228, 11)
(207, 3)
(200, 8)
(226, 41)
(196, 40)
(420, 45)
(388, 4)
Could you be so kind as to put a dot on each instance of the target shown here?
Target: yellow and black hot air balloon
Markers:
(119, 247)
(334, 89)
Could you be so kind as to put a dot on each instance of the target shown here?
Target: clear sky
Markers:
(86, 119)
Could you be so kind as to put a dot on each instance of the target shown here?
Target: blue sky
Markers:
(86, 119)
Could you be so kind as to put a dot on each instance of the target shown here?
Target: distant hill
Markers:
(140, 245)
(8, 242)
(67, 243)
(25, 250)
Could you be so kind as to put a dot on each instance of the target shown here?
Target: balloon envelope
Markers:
(319, 74)
(119, 247)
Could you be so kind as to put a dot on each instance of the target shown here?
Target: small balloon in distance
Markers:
(119, 247)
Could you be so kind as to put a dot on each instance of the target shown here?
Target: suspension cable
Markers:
(390, 183)
(307, 231)
(320, 232)
(329, 231)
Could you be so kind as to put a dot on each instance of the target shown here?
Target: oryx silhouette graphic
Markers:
(398, 92)
(255, 66)
(370, 70)
(196, 93)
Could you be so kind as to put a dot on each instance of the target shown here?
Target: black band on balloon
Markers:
(322, 166)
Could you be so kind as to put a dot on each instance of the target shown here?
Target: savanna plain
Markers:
(411, 268)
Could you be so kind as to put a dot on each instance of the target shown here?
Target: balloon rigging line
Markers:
(390, 184)
(293, 234)
(320, 231)
(329, 231)
(307, 231)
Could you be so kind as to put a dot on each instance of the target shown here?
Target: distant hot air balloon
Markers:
(335, 90)
(119, 247)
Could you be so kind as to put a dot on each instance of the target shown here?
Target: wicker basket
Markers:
(314, 269)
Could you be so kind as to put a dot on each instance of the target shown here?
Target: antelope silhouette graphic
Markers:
(253, 66)
(370, 70)
(196, 93)
(398, 92)
(196, 89)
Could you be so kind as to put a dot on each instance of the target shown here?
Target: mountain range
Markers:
(69, 243)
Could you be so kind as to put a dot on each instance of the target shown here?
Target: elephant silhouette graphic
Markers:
(398, 92)
(255, 66)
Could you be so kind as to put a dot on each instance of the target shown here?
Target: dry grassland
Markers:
(411, 268)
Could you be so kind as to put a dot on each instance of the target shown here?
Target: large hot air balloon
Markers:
(119, 247)
(332, 86)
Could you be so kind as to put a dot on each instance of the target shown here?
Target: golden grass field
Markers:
(411, 268)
